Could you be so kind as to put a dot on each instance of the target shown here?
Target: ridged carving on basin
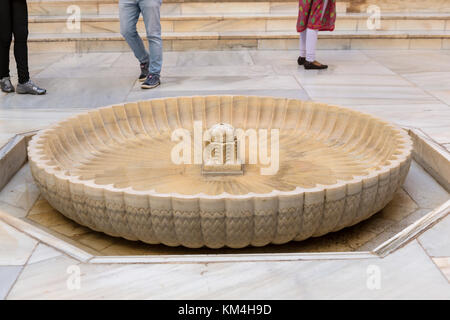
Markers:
(110, 170)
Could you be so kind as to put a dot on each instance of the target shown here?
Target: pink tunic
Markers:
(309, 14)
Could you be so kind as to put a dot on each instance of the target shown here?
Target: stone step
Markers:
(180, 41)
(60, 7)
(102, 7)
(239, 22)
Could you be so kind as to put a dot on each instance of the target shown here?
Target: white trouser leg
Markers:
(311, 39)
(302, 41)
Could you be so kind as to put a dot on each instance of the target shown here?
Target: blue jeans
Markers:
(129, 11)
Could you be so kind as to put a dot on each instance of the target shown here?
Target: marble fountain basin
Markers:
(110, 169)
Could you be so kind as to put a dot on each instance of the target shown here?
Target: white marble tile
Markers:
(265, 57)
(367, 92)
(42, 253)
(37, 62)
(93, 59)
(444, 265)
(404, 61)
(38, 113)
(94, 65)
(20, 120)
(45, 237)
(127, 59)
(95, 72)
(417, 114)
(439, 134)
(12, 210)
(74, 93)
(423, 189)
(340, 280)
(15, 246)
(21, 192)
(442, 95)
(346, 79)
(355, 68)
(380, 54)
(4, 138)
(8, 275)
(218, 83)
(226, 71)
(38, 276)
(436, 241)
(430, 80)
(337, 279)
(153, 94)
(433, 157)
(347, 56)
(380, 101)
(214, 58)
(287, 64)
(170, 59)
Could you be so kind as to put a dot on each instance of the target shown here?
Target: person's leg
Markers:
(302, 45)
(311, 42)
(5, 37)
(19, 14)
(129, 12)
(151, 13)
(20, 31)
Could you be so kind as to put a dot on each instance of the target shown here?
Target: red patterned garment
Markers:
(309, 14)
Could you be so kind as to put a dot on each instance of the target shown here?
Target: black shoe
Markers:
(6, 85)
(30, 87)
(301, 61)
(144, 72)
(314, 65)
(151, 82)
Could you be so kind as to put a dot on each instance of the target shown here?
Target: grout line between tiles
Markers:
(432, 260)
(21, 270)
(418, 87)
(48, 243)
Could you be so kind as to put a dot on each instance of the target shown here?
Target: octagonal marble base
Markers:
(365, 236)
(420, 203)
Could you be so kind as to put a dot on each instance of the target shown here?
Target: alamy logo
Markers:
(74, 280)
(73, 22)
(223, 148)
(373, 277)
(374, 20)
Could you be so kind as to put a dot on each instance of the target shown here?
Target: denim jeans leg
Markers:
(129, 12)
(151, 12)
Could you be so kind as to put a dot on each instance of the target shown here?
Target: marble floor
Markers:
(409, 88)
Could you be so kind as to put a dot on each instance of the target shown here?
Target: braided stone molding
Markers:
(105, 170)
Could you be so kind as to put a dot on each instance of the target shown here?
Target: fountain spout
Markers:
(221, 155)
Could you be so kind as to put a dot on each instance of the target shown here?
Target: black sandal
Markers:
(301, 61)
(312, 65)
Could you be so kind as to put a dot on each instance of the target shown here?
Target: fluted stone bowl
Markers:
(110, 169)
